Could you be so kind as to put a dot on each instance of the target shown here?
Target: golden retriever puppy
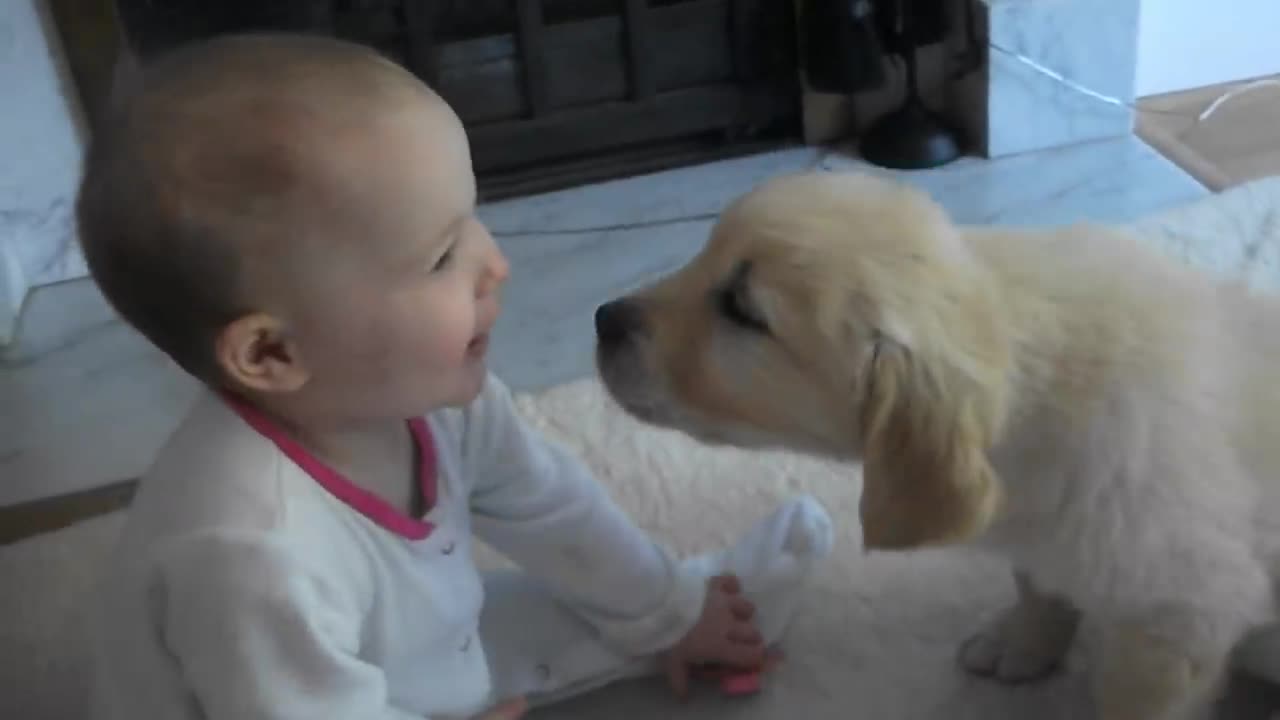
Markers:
(1102, 417)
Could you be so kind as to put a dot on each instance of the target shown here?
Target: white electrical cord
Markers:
(1055, 75)
(1234, 92)
(1061, 79)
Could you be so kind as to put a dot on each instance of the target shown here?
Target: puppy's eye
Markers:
(738, 309)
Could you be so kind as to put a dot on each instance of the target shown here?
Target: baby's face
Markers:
(393, 309)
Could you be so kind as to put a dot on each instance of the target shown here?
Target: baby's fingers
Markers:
(742, 608)
(746, 655)
(677, 675)
(744, 633)
(727, 583)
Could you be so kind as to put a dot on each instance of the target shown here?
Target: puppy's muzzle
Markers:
(617, 322)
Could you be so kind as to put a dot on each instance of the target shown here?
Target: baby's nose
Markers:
(495, 274)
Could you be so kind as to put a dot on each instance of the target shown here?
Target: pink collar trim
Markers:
(362, 501)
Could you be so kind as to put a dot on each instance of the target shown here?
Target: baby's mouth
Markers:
(480, 341)
(478, 345)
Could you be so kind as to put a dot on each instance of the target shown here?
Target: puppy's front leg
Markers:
(1150, 673)
(1027, 641)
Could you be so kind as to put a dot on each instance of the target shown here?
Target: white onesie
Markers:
(253, 581)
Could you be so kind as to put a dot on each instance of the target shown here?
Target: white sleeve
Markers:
(539, 505)
(257, 636)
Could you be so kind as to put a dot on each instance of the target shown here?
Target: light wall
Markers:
(1186, 44)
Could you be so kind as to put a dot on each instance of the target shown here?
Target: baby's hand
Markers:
(724, 635)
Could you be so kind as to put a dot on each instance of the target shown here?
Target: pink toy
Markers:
(747, 683)
(740, 682)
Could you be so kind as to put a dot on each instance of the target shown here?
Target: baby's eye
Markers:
(444, 260)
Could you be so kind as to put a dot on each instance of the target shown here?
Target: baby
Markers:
(292, 220)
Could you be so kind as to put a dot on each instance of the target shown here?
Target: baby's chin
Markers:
(465, 380)
(471, 377)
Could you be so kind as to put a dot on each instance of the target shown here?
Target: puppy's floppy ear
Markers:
(925, 431)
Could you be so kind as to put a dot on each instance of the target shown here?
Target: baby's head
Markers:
(292, 218)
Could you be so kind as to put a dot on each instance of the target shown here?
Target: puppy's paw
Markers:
(1025, 644)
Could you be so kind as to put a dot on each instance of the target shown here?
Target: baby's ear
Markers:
(926, 478)
(255, 352)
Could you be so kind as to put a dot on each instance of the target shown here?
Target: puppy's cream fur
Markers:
(1106, 419)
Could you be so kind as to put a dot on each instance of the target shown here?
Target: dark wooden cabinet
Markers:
(555, 92)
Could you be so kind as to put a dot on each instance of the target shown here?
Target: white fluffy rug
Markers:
(877, 633)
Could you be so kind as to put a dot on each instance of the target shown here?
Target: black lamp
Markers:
(911, 137)
(842, 51)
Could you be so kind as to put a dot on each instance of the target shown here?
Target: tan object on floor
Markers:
(1239, 141)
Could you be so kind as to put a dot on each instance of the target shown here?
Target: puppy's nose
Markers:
(616, 320)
